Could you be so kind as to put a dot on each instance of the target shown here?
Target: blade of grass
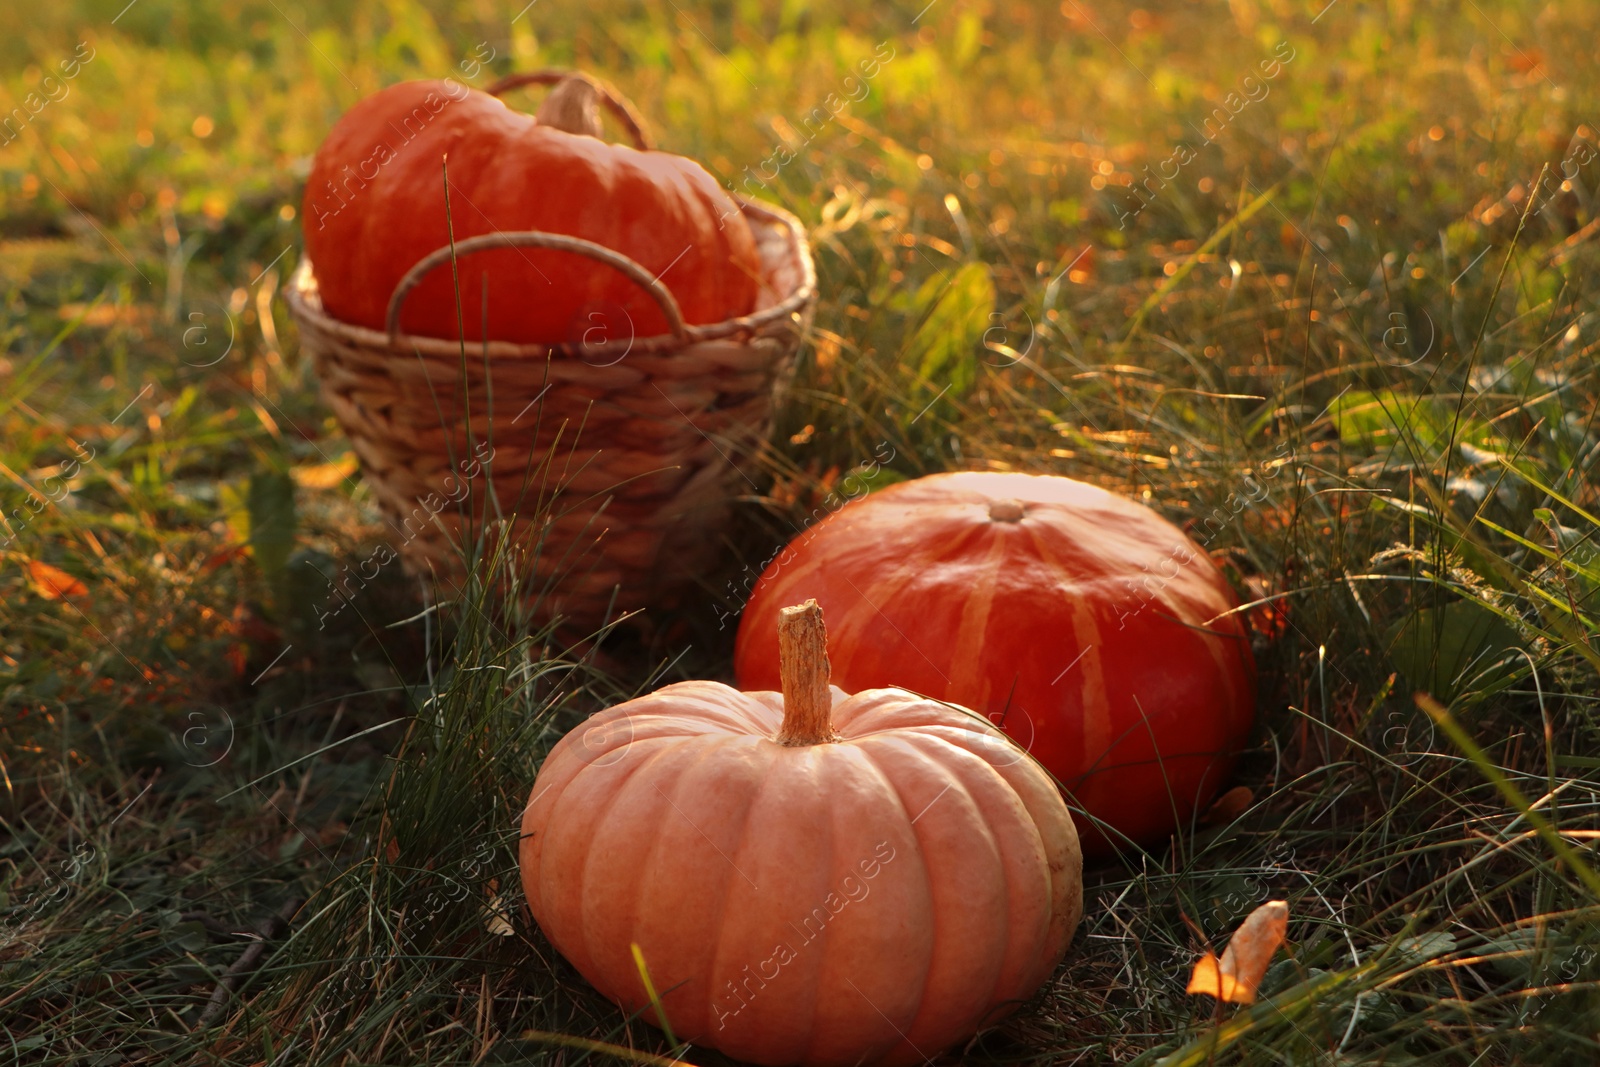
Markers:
(1514, 796)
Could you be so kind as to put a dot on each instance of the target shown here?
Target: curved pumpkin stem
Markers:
(619, 106)
(803, 668)
(573, 105)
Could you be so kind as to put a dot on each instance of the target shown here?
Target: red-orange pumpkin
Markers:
(809, 877)
(375, 205)
(1086, 625)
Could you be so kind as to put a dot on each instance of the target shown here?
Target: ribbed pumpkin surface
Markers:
(375, 205)
(868, 900)
(1084, 623)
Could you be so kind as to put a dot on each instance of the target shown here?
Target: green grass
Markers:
(1346, 324)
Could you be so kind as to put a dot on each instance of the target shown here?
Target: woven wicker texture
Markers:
(618, 459)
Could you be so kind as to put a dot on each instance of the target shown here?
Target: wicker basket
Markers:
(647, 434)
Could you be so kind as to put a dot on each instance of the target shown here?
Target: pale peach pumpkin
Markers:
(810, 877)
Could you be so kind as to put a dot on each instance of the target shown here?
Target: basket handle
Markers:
(539, 239)
(615, 102)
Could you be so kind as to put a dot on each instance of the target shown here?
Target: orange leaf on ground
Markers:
(1271, 619)
(219, 559)
(1524, 60)
(1081, 268)
(53, 583)
(327, 475)
(1237, 976)
(1230, 805)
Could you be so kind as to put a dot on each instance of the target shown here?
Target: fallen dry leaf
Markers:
(220, 559)
(1081, 267)
(1244, 962)
(53, 583)
(497, 919)
(1229, 806)
(326, 475)
(1523, 60)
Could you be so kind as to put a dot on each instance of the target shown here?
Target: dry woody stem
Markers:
(272, 927)
(803, 667)
(573, 106)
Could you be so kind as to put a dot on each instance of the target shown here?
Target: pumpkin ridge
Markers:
(839, 769)
(689, 777)
(863, 759)
(1060, 524)
(873, 712)
(614, 796)
(1218, 647)
(1173, 596)
(767, 777)
(848, 635)
(955, 769)
(968, 666)
(922, 863)
(560, 792)
(939, 934)
(811, 754)
(717, 706)
(1027, 961)
(1094, 696)
(1037, 790)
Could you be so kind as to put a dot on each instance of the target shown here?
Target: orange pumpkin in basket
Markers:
(375, 205)
(807, 877)
(1090, 628)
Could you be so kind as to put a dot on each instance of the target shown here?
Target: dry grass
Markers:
(1357, 324)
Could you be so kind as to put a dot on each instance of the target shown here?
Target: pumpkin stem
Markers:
(1007, 511)
(803, 668)
(573, 105)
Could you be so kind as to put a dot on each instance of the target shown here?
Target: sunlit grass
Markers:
(1351, 345)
